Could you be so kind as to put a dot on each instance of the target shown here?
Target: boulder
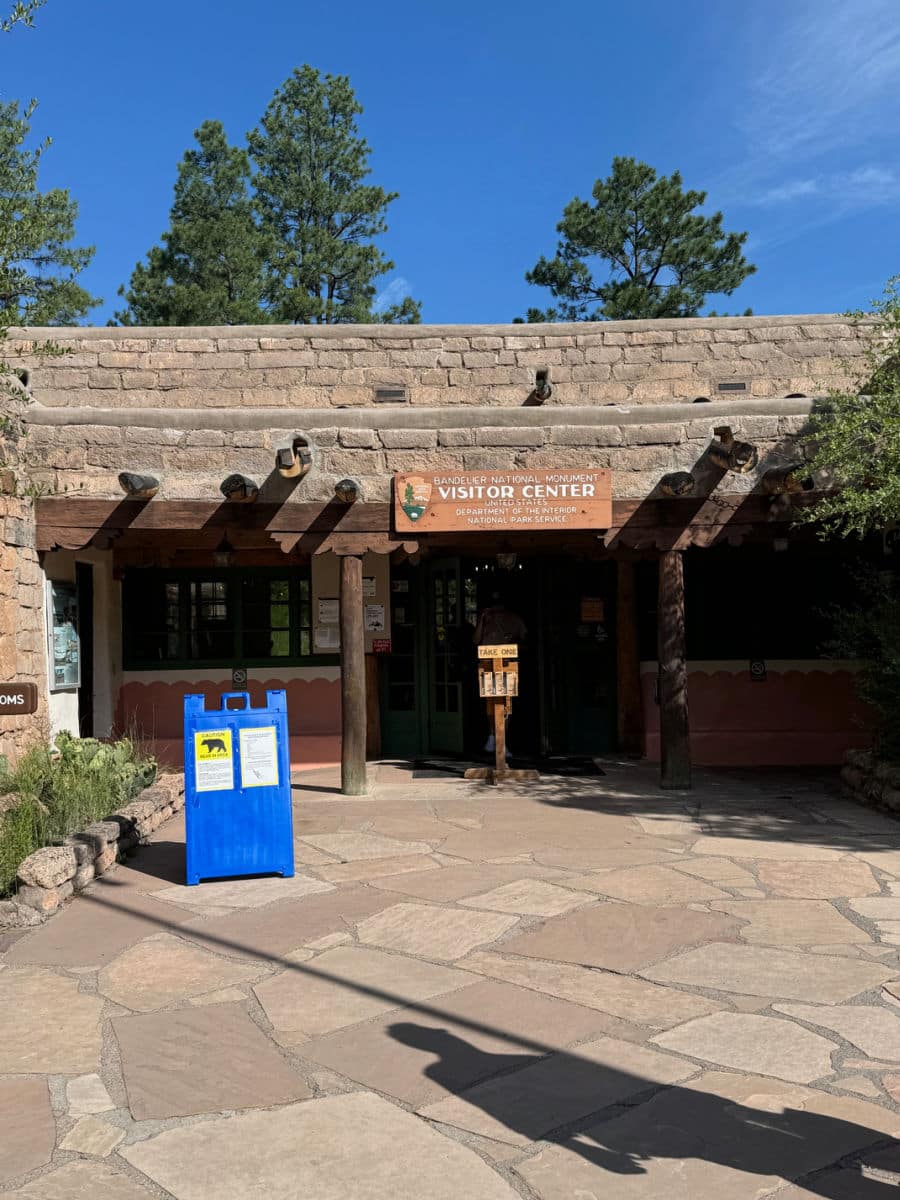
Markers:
(49, 867)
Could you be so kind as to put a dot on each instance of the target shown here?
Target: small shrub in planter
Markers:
(54, 792)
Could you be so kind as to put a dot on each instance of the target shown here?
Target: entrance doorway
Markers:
(567, 687)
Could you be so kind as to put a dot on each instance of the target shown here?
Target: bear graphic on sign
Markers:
(215, 745)
(416, 494)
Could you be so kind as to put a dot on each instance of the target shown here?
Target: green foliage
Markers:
(317, 214)
(38, 266)
(59, 792)
(662, 259)
(855, 437)
(869, 633)
(21, 13)
(209, 269)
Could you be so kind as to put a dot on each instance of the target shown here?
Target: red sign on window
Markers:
(381, 645)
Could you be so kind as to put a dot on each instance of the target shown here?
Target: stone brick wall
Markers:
(83, 460)
(634, 362)
(22, 654)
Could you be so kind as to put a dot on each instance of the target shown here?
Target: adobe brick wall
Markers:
(22, 655)
(613, 362)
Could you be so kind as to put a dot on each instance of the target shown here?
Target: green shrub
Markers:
(60, 791)
(869, 632)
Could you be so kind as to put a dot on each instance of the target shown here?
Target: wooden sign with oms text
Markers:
(478, 501)
(18, 699)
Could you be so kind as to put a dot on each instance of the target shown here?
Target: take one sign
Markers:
(503, 500)
(18, 699)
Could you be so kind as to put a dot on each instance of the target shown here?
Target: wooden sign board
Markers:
(18, 699)
(480, 501)
(506, 651)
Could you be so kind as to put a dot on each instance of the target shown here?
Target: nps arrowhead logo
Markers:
(415, 492)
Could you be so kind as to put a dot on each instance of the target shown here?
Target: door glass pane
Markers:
(211, 629)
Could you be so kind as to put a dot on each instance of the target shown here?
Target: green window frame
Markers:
(190, 619)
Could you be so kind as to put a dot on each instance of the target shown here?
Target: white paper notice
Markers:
(213, 761)
(374, 618)
(327, 637)
(368, 585)
(259, 757)
(329, 610)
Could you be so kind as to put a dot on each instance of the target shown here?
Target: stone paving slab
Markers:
(420, 1056)
(82, 1181)
(875, 1031)
(92, 1136)
(620, 937)
(818, 881)
(27, 1126)
(529, 897)
(444, 934)
(163, 970)
(776, 922)
(347, 985)
(86, 1095)
(761, 971)
(356, 1145)
(48, 1024)
(177, 1064)
(752, 1043)
(546, 1093)
(650, 885)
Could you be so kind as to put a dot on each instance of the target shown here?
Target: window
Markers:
(222, 618)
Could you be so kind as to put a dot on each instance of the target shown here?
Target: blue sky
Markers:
(488, 117)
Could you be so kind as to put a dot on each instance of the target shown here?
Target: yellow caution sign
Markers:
(214, 760)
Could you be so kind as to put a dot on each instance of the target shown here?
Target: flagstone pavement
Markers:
(579, 989)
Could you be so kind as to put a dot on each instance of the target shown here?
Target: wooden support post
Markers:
(675, 749)
(628, 666)
(353, 679)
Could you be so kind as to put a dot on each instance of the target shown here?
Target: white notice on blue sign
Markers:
(259, 757)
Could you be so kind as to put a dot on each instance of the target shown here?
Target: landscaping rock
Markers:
(48, 867)
(83, 876)
(14, 915)
(43, 900)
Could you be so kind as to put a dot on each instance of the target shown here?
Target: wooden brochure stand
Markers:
(498, 682)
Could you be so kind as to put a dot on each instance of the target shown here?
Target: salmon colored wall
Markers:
(153, 711)
(802, 714)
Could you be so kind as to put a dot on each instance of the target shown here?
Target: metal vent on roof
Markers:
(733, 385)
(390, 395)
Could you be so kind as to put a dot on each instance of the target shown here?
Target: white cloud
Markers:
(864, 187)
(392, 293)
(825, 76)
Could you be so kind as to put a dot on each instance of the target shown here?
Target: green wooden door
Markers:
(445, 634)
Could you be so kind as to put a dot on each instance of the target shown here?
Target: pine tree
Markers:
(662, 258)
(38, 266)
(208, 270)
(21, 13)
(316, 211)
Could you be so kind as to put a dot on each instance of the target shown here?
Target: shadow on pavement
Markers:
(676, 1123)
